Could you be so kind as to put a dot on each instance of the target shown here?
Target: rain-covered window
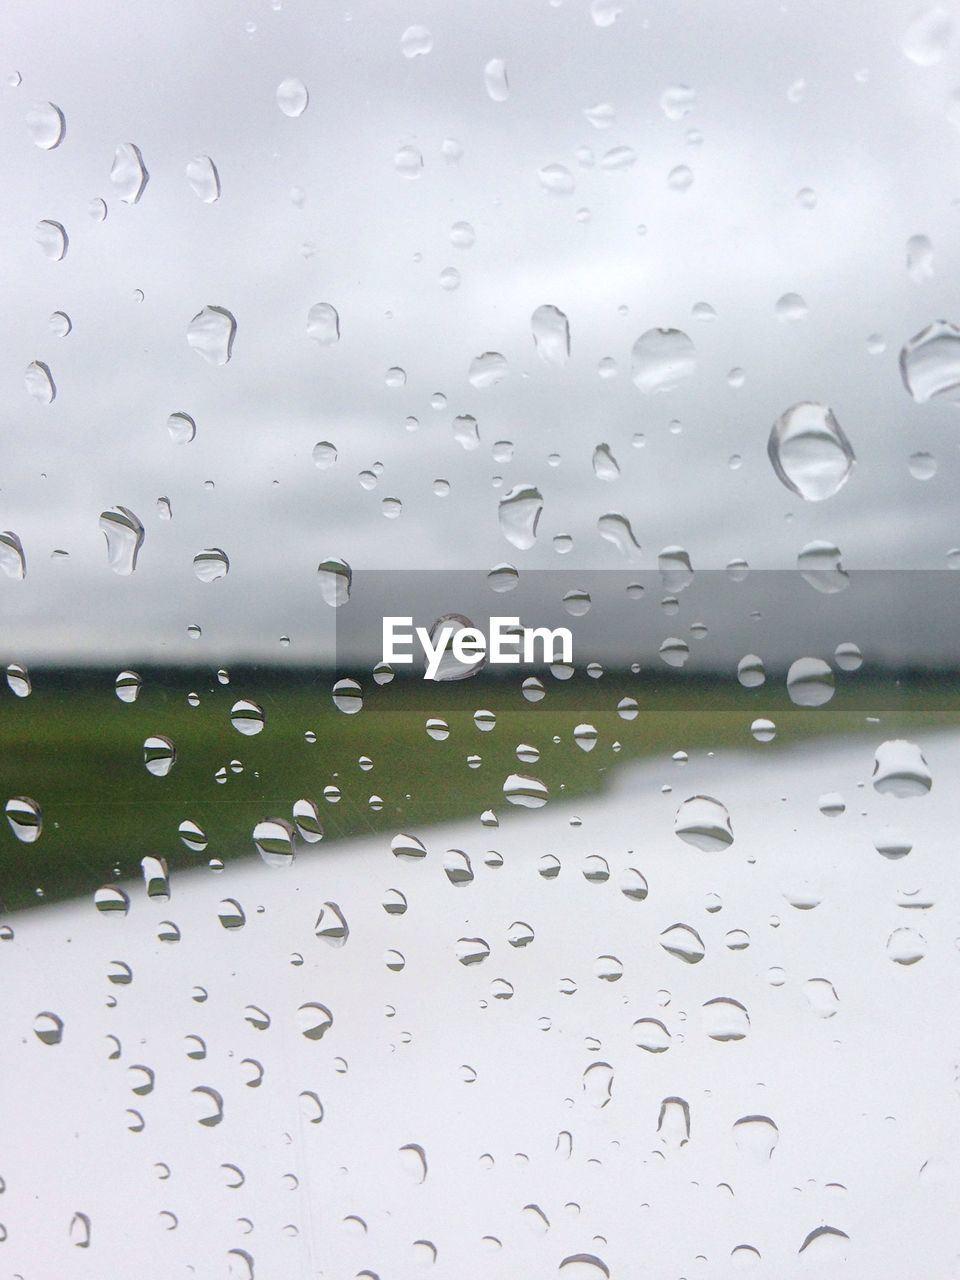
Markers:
(480, 688)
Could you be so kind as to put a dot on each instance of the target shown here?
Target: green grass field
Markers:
(76, 750)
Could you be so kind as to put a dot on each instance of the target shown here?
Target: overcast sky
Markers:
(314, 210)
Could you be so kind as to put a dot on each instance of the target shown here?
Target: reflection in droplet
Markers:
(930, 362)
(292, 97)
(128, 173)
(204, 179)
(704, 823)
(551, 334)
(39, 383)
(52, 238)
(810, 452)
(335, 577)
(810, 682)
(211, 333)
(662, 358)
(46, 125)
(899, 769)
(323, 325)
(495, 80)
(124, 534)
(211, 564)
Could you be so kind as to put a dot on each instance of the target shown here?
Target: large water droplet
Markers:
(124, 534)
(900, 770)
(335, 578)
(292, 97)
(495, 80)
(39, 383)
(211, 332)
(159, 755)
(211, 564)
(25, 818)
(810, 452)
(819, 565)
(12, 560)
(128, 174)
(46, 125)
(525, 791)
(487, 370)
(927, 36)
(551, 334)
(52, 239)
(323, 324)
(662, 358)
(810, 682)
(204, 179)
(615, 528)
(416, 42)
(930, 362)
(519, 512)
(274, 838)
(704, 823)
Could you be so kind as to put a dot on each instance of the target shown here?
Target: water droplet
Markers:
(124, 534)
(605, 466)
(680, 178)
(751, 672)
(181, 428)
(927, 36)
(615, 528)
(12, 560)
(274, 839)
(292, 97)
(557, 179)
(336, 578)
(211, 333)
(46, 126)
(756, 1136)
(525, 791)
(930, 362)
(704, 823)
(651, 1034)
(323, 325)
(684, 943)
(247, 717)
(810, 452)
(822, 997)
(128, 174)
(48, 1028)
(677, 101)
(662, 358)
(39, 383)
(725, 1019)
(406, 846)
(919, 259)
(408, 162)
(495, 80)
(674, 651)
(211, 565)
(583, 1266)
(791, 307)
(673, 1124)
(900, 770)
(819, 565)
(551, 334)
(52, 238)
(416, 42)
(25, 818)
(204, 179)
(159, 755)
(810, 682)
(519, 512)
(906, 946)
